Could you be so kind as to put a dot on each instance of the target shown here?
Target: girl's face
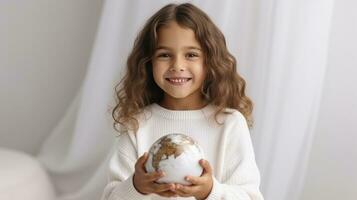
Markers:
(178, 67)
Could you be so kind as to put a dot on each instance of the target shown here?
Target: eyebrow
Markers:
(186, 47)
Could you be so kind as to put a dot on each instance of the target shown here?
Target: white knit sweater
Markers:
(228, 149)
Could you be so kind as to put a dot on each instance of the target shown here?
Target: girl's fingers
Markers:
(182, 194)
(162, 187)
(154, 176)
(185, 191)
(206, 166)
(195, 180)
(139, 165)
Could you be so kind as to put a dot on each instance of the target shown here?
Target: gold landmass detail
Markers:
(168, 148)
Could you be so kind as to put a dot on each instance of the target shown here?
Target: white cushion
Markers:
(23, 177)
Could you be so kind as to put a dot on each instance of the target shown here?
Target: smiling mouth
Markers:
(178, 81)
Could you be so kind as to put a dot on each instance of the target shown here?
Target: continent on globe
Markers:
(169, 148)
(177, 155)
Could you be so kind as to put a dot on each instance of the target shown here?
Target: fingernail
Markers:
(187, 178)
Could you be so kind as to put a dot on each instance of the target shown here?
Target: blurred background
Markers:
(59, 61)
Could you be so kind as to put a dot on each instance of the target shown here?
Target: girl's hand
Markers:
(201, 186)
(145, 182)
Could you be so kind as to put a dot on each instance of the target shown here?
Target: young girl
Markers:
(181, 79)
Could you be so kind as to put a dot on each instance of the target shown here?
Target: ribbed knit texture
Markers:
(227, 147)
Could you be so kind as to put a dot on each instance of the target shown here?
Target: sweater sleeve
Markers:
(241, 178)
(121, 169)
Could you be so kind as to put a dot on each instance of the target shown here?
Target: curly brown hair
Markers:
(137, 89)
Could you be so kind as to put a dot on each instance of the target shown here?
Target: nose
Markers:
(177, 65)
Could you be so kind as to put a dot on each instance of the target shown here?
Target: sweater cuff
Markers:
(216, 192)
(126, 191)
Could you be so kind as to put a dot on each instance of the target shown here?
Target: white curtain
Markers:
(281, 47)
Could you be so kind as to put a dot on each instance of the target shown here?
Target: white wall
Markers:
(333, 161)
(44, 50)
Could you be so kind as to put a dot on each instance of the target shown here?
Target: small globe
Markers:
(177, 155)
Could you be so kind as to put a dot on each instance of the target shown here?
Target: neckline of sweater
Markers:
(182, 114)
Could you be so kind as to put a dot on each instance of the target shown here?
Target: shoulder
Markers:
(234, 116)
(145, 113)
(125, 140)
(141, 117)
(236, 129)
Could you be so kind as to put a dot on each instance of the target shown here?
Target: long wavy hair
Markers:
(223, 86)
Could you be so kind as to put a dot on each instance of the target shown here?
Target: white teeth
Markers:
(178, 80)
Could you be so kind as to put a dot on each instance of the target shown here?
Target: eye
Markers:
(192, 55)
(163, 55)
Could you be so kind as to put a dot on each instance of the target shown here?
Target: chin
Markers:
(178, 96)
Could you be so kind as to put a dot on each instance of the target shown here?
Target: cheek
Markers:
(157, 72)
(201, 74)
